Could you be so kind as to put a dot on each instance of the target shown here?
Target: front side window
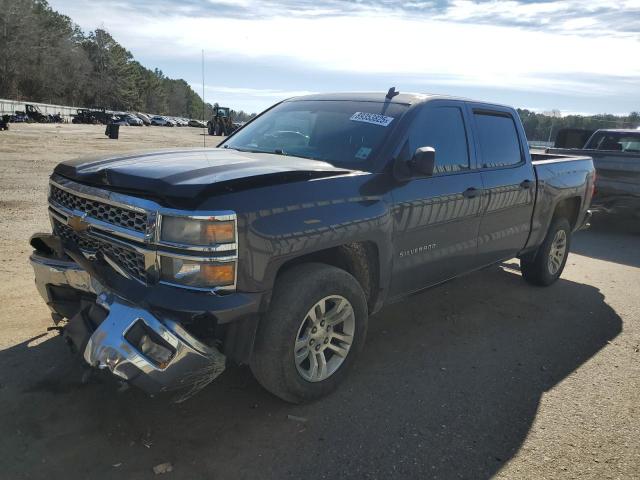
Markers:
(498, 139)
(443, 129)
(344, 133)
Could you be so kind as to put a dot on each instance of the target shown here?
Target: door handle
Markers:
(471, 192)
(526, 184)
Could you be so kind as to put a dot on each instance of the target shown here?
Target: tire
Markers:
(541, 270)
(283, 328)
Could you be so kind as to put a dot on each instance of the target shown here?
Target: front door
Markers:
(436, 219)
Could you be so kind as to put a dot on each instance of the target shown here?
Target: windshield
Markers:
(344, 133)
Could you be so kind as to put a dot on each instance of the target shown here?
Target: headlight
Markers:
(197, 274)
(189, 231)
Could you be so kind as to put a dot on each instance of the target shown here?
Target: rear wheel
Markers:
(315, 328)
(551, 257)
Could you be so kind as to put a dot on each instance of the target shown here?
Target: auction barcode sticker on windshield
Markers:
(374, 118)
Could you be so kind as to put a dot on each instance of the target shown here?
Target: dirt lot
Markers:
(485, 376)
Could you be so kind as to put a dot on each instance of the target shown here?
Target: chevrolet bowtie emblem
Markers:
(77, 223)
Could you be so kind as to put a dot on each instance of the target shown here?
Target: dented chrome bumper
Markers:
(136, 345)
(52, 271)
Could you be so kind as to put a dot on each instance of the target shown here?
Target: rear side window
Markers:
(615, 141)
(498, 139)
(443, 129)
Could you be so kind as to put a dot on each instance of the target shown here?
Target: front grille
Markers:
(119, 216)
(131, 261)
(128, 259)
(84, 243)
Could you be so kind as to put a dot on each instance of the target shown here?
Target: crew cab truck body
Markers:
(274, 248)
(616, 156)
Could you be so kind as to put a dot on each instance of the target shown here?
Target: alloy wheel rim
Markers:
(557, 252)
(324, 338)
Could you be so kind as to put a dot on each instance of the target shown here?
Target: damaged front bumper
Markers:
(151, 352)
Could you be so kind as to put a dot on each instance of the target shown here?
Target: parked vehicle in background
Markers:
(146, 119)
(32, 113)
(196, 123)
(133, 120)
(221, 121)
(101, 115)
(85, 116)
(572, 137)
(274, 248)
(119, 119)
(35, 115)
(161, 121)
(616, 140)
(616, 156)
(18, 117)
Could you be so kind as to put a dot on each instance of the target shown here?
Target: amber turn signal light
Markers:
(218, 274)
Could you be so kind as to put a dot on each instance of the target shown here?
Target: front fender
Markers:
(327, 213)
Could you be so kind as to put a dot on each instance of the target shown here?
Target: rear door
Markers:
(509, 183)
(436, 219)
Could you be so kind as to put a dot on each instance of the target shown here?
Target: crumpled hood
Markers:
(193, 172)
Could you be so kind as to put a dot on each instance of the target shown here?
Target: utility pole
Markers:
(204, 105)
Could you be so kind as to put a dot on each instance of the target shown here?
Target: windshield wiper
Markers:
(277, 151)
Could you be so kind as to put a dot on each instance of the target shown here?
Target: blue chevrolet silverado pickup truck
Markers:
(274, 248)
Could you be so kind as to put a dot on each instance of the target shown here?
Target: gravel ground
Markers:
(483, 377)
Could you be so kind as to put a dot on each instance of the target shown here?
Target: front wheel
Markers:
(315, 328)
(551, 257)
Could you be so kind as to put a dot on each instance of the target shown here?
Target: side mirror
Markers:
(423, 161)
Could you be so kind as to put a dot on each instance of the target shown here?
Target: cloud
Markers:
(602, 17)
(482, 54)
(573, 17)
(258, 92)
(583, 50)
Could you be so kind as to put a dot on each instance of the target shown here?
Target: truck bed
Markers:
(544, 157)
(558, 176)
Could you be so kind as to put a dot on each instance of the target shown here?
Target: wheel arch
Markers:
(568, 208)
(361, 259)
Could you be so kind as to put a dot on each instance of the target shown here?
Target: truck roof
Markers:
(619, 130)
(400, 98)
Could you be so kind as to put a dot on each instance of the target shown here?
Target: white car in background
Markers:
(161, 121)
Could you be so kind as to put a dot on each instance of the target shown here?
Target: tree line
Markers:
(545, 126)
(45, 57)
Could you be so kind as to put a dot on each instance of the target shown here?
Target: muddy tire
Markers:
(309, 339)
(550, 258)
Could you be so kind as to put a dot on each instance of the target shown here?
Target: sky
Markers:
(577, 56)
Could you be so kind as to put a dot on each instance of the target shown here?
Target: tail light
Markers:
(593, 185)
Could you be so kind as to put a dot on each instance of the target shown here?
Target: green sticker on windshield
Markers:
(363, 153)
